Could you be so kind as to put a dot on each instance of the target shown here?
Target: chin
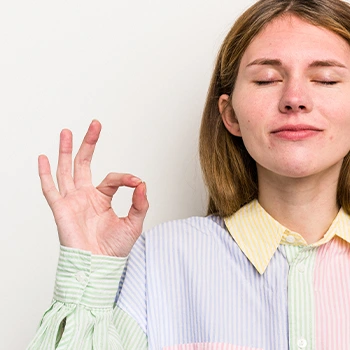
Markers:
(299, 166)
(304, 171)
(290, 170)
(299, 170)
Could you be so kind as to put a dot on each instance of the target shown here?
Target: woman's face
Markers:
(291, 102)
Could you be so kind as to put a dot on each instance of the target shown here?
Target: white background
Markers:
(142, 68)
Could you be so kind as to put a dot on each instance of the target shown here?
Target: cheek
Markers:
(254, 140)
(250, 122)
(338, 121)
(251, 127)
(251, 110)
(254, 111)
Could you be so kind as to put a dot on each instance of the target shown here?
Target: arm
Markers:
(95, 243)
(83, 314)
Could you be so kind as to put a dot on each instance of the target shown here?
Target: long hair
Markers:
(229, 171)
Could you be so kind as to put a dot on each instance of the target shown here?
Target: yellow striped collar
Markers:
(258, 234)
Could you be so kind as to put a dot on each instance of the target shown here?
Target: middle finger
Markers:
(82, 161)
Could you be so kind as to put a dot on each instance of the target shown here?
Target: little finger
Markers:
(47, 184)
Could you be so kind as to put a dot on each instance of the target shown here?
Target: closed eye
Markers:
(326, 82)
(265, 82)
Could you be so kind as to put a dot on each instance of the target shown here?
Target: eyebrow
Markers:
(265, 62)
(278, 63)
(327, 63)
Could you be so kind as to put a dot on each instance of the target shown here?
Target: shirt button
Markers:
(301, 268)
(80, 277)
(290, 239)
(302, 343)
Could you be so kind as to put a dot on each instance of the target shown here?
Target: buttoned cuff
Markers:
(86, 279)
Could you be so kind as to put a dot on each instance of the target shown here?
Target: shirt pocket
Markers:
(209, 346)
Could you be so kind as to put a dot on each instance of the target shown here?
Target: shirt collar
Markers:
(258, 234)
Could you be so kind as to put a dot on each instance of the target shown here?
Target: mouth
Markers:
(296, 132)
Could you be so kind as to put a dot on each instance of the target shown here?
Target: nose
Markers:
(295, 98)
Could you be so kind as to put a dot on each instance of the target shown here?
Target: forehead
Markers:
(290, 38)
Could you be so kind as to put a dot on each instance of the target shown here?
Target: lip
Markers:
(295, 132)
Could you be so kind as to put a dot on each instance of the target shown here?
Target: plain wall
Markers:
(142, 68)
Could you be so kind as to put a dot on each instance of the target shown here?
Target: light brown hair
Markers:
(229, 171)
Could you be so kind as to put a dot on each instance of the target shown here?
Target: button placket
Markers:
(301, 268)
(302, 343)
(300, 276)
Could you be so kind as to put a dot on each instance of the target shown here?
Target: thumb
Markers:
(139, 205)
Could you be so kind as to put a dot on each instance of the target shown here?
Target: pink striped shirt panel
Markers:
(209, 346)
(332, 295)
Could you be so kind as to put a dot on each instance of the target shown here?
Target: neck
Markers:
(307, 206)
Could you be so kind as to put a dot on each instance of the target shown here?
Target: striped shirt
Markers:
(239, 283)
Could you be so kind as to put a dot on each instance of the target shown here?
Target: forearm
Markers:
(83, 313)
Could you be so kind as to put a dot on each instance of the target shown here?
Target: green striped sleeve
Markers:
(83, 314)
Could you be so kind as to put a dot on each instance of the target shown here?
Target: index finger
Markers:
(82, 161)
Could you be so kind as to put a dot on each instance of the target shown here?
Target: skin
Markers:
(298, 170)
(291, 106)
(83, 213)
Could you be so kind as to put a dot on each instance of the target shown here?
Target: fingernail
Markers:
(145, 189)
(136, 179)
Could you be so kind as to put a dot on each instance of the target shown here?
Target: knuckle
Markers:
(82, 162)
(110, 176)
(47, 191)
(109, 179)
(62, 171)
(114, 179)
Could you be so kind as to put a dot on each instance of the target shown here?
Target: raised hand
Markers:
(83, 213)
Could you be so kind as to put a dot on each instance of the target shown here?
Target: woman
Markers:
(270, 267)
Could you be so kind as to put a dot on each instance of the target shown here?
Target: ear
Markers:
(228, 115)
